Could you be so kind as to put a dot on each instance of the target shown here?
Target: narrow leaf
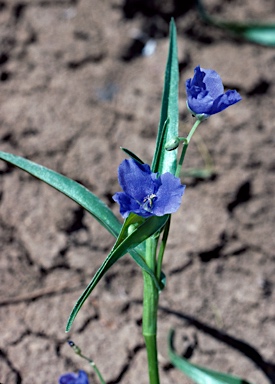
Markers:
(200, 375)
(160, 147)
(263, 34)
(199, 173)
(70, 188)
(132, 155)
(260, 33)
(163, 160)
(83, 197)
(139, 235)
(131, 223)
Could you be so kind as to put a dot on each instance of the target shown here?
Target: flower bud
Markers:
(172, 144)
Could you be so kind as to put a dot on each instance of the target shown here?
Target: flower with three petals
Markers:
(146, 193)
(205, 94)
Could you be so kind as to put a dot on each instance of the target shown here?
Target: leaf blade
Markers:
(165, 161)
(139, 235)
(256, 32)
(132, 155)
(200, 375)
(71, 189)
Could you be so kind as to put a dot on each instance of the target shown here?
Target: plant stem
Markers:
(149, 319)
(185, 146)
(150, 292)
(77, 350)
(162, 248)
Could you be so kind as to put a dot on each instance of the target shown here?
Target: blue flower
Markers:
(205, 94)
(146, 193)
(73, 378)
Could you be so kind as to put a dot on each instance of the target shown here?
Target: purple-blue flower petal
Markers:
(213, 83)
(146, 193)
(169, 195)
(128, 205)
(133, 179)
(73, 378)
(223, 101)
(205, 93)
(200, 104)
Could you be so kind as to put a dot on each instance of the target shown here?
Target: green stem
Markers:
(150, 306)
(185, 146)
(150, 292)
(162, 247)
(97, 372)
(77, 350)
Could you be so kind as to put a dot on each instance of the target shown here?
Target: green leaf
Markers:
(198, 173)
(165, 161)
(163, 280)
(263, 34)
(83, 197)
(146, 228)
(200, 375)
(131, 223)
(260, 33)
(70, 188)
(132, 155)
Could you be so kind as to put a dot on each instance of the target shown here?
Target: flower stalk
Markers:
(77, 351)
(185, 146)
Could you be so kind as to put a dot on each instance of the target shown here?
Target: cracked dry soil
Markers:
(74, 88)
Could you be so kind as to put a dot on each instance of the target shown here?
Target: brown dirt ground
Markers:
(74, 88)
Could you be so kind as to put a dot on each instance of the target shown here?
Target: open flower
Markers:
(73, 378)
(146, 193)
(205, 94)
